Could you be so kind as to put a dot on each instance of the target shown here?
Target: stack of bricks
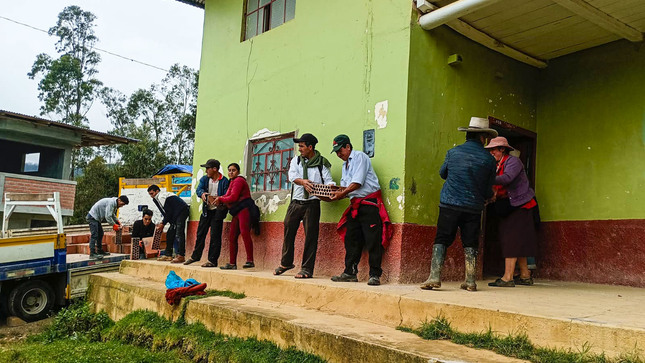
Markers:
(20, 184)
(115, 242)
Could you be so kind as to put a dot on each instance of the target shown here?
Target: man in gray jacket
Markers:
(469, 171)
(104, 209)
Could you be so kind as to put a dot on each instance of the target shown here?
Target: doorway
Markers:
(524, 142)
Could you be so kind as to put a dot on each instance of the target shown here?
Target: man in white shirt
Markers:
(304, 170)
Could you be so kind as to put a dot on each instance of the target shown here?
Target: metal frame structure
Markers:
(49, 200)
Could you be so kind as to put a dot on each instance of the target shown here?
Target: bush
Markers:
(77, 323)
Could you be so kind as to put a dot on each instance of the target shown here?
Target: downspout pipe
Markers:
(451, 12)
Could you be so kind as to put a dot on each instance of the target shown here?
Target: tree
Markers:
(68, 85)
(98, 181)
(180, 90)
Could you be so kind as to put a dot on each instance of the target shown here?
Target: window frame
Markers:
(249, 165)
(266, 17)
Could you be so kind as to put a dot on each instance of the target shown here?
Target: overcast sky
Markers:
(157, 32)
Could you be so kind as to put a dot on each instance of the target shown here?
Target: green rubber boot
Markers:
(471, 269)
(438, 256)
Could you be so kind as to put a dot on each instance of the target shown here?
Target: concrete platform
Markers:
(334, 337)
(552, 314)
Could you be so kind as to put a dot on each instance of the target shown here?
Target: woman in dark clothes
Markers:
(239, 202)
(144, 227)
(516, 206)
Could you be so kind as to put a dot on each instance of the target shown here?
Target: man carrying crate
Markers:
(304, 170)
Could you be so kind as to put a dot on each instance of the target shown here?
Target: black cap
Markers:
(340, 141)
(211, 163)
(306, 138)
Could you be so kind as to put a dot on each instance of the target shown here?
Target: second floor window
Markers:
(270, 163)
(264, 15)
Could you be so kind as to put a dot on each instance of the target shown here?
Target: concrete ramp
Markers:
(292, 312)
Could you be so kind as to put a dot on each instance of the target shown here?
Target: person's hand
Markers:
(204, 197)
(217, 201)
(116, 227)
(309, 186)
(336, 195)
(160, 226)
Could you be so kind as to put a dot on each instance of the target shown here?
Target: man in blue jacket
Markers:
(174, 211)
(211, 186)
(469, 171)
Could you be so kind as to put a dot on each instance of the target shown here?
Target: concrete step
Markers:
(552, 314)
(333, 337)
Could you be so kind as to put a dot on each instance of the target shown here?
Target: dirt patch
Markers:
(9, 335)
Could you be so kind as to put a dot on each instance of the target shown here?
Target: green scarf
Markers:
(316, 161)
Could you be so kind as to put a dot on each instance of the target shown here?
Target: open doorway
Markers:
(524, 142)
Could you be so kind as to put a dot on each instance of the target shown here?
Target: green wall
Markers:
(322, 72)
(442, 97)
(591, 135)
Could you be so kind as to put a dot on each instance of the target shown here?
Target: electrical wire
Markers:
(98, 49)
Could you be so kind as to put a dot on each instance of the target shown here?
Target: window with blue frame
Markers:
(263, 15)
(270, 163)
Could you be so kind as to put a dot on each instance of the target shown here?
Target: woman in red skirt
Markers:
(239, 202)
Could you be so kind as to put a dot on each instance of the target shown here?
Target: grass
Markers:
(517, 346)
(78, 335)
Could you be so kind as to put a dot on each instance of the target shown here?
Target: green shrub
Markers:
(78, 323)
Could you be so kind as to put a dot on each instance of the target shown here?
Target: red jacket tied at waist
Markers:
(355, 203)
(173, 296)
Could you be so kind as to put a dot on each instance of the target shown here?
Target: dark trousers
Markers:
(241, 224)
(364, 231)
(96, 234)
(309, 213)
(177, 230)
(468, 223)
(213, 221)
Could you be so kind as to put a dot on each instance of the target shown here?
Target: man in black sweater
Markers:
(175, 211)
(144, 227)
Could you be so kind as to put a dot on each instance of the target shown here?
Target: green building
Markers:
(562, 79)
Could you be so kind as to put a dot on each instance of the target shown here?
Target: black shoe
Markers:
(520, 281)
(189, 261)
(248, 265)
(102, 253)
(374, 281)
(228, 266)
(345, 278)
(96, 256)
(501, 283)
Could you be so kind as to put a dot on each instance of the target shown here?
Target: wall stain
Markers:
(394, 183)
(413, 188)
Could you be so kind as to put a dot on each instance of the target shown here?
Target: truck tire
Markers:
(31, 300)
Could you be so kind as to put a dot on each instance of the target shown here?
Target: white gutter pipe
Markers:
(452, 11)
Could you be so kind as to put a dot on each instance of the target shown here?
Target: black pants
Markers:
(468, 223)
(213, 220)
(364, 231)
(96, 234)
(177, 229)
(309, 213)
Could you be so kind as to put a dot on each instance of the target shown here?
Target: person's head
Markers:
(306, 145)
(121, 201)
(342, 146)
(153, 190)
(480, 137)
(212, 168)
(233, 170)
(147, 217)
(498, 147)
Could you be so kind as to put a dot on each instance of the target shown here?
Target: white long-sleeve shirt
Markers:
(313, 174)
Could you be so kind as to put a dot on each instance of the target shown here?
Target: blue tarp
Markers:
(175, 169)
(173, 281)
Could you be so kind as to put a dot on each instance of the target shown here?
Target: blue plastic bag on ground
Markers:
(173, 281)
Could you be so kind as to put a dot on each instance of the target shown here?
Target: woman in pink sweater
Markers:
(238, 200)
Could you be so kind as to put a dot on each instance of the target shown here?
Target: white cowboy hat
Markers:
(479, 124)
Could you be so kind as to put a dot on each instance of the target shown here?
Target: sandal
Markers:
(523, 281)
(280, 270)
(209, 264)
(501, 283)
(303, 275)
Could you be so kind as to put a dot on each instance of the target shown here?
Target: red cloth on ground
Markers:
(241, 224)
(173, 296)
(355, 203)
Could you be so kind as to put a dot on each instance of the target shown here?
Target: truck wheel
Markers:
(31, 300)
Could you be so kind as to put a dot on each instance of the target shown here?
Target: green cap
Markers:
(340, 141)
